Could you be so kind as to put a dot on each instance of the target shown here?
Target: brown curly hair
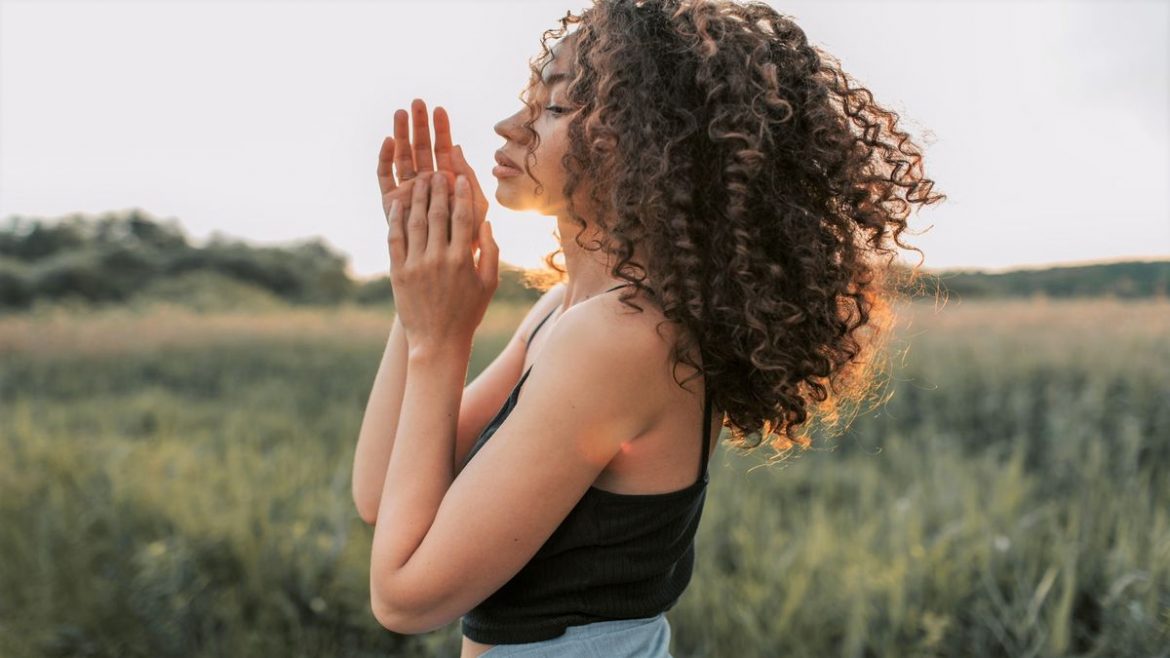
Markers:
(763, 189)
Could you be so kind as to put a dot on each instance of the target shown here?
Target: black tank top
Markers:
(615, 556)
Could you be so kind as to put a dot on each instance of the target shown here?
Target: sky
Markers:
(1044, 122)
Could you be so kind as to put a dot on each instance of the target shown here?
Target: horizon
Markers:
(504, 264)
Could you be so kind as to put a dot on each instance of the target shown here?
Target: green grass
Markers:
(177, 484)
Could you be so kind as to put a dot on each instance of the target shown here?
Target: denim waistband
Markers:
(647, 637)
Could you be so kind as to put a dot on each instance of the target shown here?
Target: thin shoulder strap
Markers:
(550, 313)
(706, 433)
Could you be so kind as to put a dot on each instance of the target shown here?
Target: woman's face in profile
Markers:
(518, 192)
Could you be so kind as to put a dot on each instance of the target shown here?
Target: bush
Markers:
(15, 287)
(204, 290)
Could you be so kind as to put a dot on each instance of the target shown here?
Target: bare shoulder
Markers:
(616, 320)
(647, 328)
(637, 344)
(541, 308)
(611, 362)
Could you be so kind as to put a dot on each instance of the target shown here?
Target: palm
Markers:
(403, 160)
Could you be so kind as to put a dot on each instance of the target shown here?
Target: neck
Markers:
(588, 272)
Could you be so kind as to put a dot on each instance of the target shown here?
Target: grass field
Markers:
(177, 484)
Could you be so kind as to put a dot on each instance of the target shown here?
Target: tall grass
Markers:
(177, 484)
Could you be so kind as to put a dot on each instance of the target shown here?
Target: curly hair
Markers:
(763, 188)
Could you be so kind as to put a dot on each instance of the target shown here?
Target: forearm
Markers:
(380, 424)
(421, 467)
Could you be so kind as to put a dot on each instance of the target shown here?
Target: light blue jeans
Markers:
(648, 637)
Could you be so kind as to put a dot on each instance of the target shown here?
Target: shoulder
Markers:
(643, 333)
(609, 326)
(540, 309)
(609, 354)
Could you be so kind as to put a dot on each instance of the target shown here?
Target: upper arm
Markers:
(484, 396)
(571, 419)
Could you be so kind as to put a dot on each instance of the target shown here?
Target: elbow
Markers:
(391, 621)
(392, 618)
(402, 609)
(369, 516)
(403, 624)
(367, 508)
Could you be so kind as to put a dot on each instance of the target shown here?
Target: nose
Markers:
(510, 127)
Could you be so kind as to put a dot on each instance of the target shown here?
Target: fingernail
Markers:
(461, 183)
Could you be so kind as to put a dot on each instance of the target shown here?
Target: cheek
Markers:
(553, 146)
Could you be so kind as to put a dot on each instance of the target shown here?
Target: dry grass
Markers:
(57, 332)
(177, 484)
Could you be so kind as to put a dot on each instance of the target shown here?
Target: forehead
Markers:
(556, 70)
(562, 50)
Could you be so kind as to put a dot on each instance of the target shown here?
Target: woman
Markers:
(720, 176)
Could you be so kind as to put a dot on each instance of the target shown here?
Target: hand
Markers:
(412, 161)
(440, 294)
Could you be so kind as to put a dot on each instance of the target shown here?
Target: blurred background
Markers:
(193, 304)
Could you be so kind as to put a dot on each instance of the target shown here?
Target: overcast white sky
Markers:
(1048, 120)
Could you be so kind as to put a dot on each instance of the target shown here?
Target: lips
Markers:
(504, 160)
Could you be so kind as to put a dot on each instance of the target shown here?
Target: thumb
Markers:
(460, 161)
(489, 257)
(477, 198)
(477, 191)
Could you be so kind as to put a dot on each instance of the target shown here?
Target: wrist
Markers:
(432, 354)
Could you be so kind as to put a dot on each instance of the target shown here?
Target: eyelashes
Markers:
(555, 109)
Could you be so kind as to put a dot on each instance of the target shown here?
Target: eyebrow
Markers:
(554, 78)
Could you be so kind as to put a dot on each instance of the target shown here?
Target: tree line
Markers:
(114, 257)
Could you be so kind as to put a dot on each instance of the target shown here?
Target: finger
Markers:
(479, 200)
(422, 137)
(476, 190)
(385, 167)
(461, 167)
(396, 237)
(443, 151)
(416, 221)
(437, 215)
(403, 194)
(489, 259)
(462, 218)
(403, 158)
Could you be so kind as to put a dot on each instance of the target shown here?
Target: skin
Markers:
(440, 292)
(660, 454)
(401, 165)
(588, 274)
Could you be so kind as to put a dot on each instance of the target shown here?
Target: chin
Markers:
(509, 200)
(504, 200)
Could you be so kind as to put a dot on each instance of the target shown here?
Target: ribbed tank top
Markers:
(615, 556)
